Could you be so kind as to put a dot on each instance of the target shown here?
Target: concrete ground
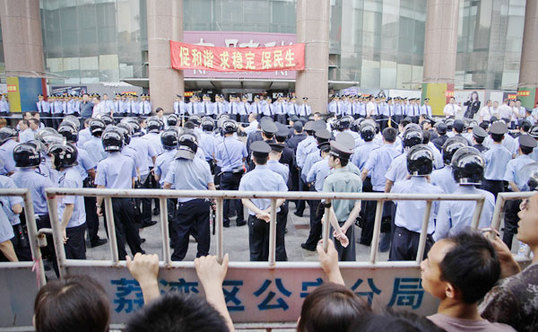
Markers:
(236, 241)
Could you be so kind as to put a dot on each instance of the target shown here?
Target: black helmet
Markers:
(45, 132)
(169, 139)
(412, 137)
(126, 130)
(26, 155)
(208, 124)
(187, 146)
(69, 132)
(367, 129)
(107, 119)
(441, 128)
(97, 126)
(229, 126)
(47, 140)
(154, 125)
(345, 122)
(449, 123)
(172, 120)
(534, 131)
(195, 119)
(420, 160)
(72, 120)
(6, 133)
(468, 166)
(451, 146)
(65, 155)
(112, 140)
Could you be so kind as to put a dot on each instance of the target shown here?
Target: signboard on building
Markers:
(235, 40)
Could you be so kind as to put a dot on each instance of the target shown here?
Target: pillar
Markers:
(23, 52)
(313, 31)
(528, 70)
(165, 23)
(440, 48)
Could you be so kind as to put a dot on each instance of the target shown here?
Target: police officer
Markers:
(409, 214)
(118, 171)
(10, 225)
(192, 216)
(8, 141)
(94, 146)
(497, 157)
(479, 135)
(230, 156)
(169, 140)
(261, 178)
(441, 130)
(27, 160)
(454, 217)
(513, 175)
(343, 213)
(70, 208)
(304, 147)
(443, 177)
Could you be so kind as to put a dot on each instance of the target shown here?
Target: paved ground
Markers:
(236, 241)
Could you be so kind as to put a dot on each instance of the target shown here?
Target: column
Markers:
(440, 48)
(165, 23)
(313, 31)
(23, 52)
(528, 70)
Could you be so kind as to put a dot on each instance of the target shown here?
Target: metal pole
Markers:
(477, 213)
(165, 230)
(377, 230)
(499, 205)
(326, 227)
(219, 203)
(111, 229)
(32, 233)
(272, 234)
(57, 236)
(424, 232)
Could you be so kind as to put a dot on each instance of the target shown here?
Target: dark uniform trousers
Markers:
(281, 221)
(126, 226)
(315, 225)
(493, 186)
(511, 219)
(405, 245)
(367, 215)
(346, 254)
(43, 221)
(92, 220)
(258, 239)
(75, 248)
(191, 216)
(300, 204)
(230, 181)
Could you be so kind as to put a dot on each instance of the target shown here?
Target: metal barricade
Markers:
(289, 278)
(20, 281)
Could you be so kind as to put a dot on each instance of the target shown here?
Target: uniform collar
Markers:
(261, 167)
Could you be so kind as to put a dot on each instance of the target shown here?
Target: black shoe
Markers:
(298, 214)
(241, 223)
(148, 223)
(226, 224)
(305, 247)
(156, 212)
(98, 242)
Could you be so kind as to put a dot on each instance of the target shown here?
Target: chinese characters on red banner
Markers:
(187, 56)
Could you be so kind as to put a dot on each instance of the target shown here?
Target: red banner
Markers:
(225, 59)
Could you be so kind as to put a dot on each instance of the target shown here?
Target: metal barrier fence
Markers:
(292, 281)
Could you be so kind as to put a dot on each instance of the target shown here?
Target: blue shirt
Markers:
(83, 136)
(261, 178)
(378, 164)
(497, 157)
(6, 231)
(208, 145)
(36, 183)
(409, 214)
(312, 158)
(303, 148)
(155, 141)
(6, 155)
(361, 154)
(85, 163)
(279, 168)
(144, 151)
(398, 168)
(513, 168)
(116, 171)
(444, 179)
(162, 165)
(230, 153)
(94, 147)
(319, 171)
(192, 174)
(9, 201)
(70, 178)
(456, 216)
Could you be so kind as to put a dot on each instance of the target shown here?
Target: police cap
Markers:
(527, 141)
(268, 127)
(498, 128)
(458, 125)
(340, 150)
(479, 132)
(260, 149)
(277, 147)
(322, 134)
(319, 124)
(308, 126)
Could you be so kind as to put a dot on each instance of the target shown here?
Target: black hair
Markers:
(497, 138)
(525, 126)
(260, 160)
(526, 149)
(479, 140)
(26, 122)
(34, 121)
(331, 307)
(425, 137)
(75, 303)
(389, 134)
(174, 312)
(394, 321)
(471, 266)
(189, 125)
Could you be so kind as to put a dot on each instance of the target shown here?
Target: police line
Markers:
(258, 294)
